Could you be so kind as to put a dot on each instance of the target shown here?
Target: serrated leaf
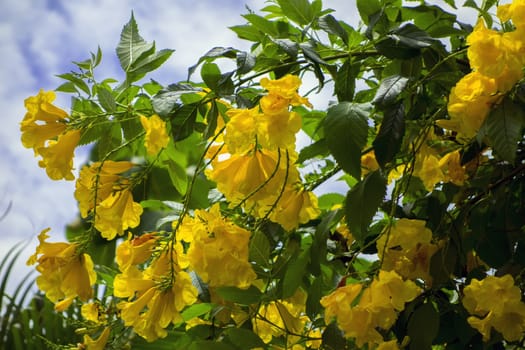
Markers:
(245, 62)
(362, 202)
(259, 249)
(295, 271)
(389, 89)
(106, 99)
(345, 80)
(248, 296)
(388, 140)
(148, 64)
(423, 327)
(299, 11)
(215, 52)
(411, 36)
(331, 25)
(346, 130)
(183, 121)
(503, 128)
(244, 338)
(131, 45)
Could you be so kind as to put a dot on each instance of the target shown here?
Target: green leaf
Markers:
(345, 80)
(245, 62)
(315, 293)
(209, 344)
(404, 42)
(77, 81)
(299, 11)
(362, 202)
(264, 25)
(183, 121)
(332, 26)
(346, 130)
(259, 249)
(167, 101)
(388, 140)
(389, 89)
(316, 149)
(295, 271)
(211, 55)
(106, 99)
(423, 327)
(244, 338)
(367, 8)
(131, 45)
(147, 64)
(196, 310)
(290, 47)
(178, 175)
(248, 296)
(211, 75)
(504, 127)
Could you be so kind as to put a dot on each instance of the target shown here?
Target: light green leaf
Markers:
(178, 175)
(131, 45)
(147, 64)
(106, 99)
(299, 11)
(362, 202)
(367, 8)
(248, 296)
(196, 310)
(346, 130)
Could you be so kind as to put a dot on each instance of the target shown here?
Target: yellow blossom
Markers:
(156, 135)
(65, 272)
(406, 247)
(286, 87)
(57, 157)
(278, 130)
(135, 251)
(99, 343)
(388, 345)
(241, 129)
(97, 181)
(117, 213)
(507, 315)
(218, 249)
(450, 165)
(296, 206)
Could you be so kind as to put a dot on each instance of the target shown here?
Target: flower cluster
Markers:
(102, 190)
(65, 271)
(156, 135)
(44, 128)
(406, 248)
(497, 61)
(155, 295)
(255, 165)
(287, 318)
(495, 302)
(218, 250)
(360, 311)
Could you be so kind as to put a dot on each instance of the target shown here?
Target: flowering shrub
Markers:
(205, 224)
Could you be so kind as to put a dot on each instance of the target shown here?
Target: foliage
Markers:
(205, 225)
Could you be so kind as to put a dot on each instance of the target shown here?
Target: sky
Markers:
(40, 38)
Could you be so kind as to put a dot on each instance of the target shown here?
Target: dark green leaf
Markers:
(346, 130)
(248, 296)
(245, 62)
(295, 271)
(330, 25)
(389, 89)
(299, 11)
(290, 47)
(244, 338)
(388, 140)
(504, 127)
(106, 99)
(345, 80)
(212, 54)
(362, 202)
(316, 149)
(110, 139)
(313, 306)
(209, 344)
(259, 249)
(411, 36)
(312, 55)
(333, 337)
(131, 45)
(423, 327)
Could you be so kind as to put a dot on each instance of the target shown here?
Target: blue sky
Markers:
(39, 39)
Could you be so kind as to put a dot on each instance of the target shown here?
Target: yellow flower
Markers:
(65, 272)
(389, 345)
(253, 176)
(97, 181)
(156, 135)
(99, 343)
(296, 206)
(452, 169)
(469, 104)
(135, 251)
(389, 290)
(278, 130)
(156, 295)
(241, 129)
(43, 121)
(117, 213)
(369, 163)
(406, 248)
(507, 315)
(286, 87)
(514, 11)
(57, 157)
(218, 249)
(93, 312)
